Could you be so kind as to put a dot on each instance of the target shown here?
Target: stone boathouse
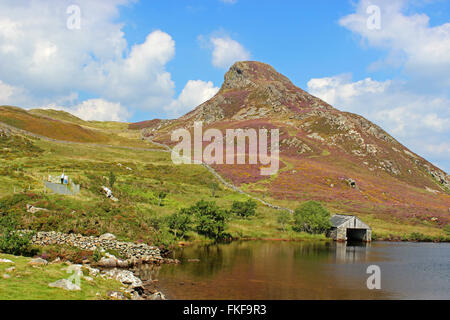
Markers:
(351, 228)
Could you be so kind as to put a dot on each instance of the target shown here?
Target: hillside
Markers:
(65, 127)
(396, 191)
(321, 149)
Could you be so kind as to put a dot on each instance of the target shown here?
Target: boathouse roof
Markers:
(339, 219)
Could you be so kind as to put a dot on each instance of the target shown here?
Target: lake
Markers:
(306, 270)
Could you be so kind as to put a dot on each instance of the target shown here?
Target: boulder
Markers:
(32, 209)
(157, 296)
(6, 261)
(116, 295)
(107, 236)
(122, 263)
(38, 262)
(125, 276)
(351, 183)
(107, 262)
(64, 284)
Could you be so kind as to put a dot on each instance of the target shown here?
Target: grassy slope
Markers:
(397, 205)
(137, 212)
(133, 216)
(60, 125)
(31, 283)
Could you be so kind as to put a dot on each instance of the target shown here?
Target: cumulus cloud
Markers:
(417, 110)
(422, 50)
(194, 93)
(96, 109)
(227, 51)
(417, 120)
(43, 62)
(6, 92)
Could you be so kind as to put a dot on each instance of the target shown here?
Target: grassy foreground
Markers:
(31, 283)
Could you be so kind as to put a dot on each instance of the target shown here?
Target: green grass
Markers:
(31, 283)
(137, 215)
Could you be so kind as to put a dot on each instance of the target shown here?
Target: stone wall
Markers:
(127, 249)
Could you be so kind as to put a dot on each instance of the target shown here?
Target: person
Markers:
(62, 178)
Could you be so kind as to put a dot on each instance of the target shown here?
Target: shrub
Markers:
(13, 242)
(161, 196)
(211, 220)
(283, 219)
(97, 255)
(67, 253)
(311, 217)
(420, 237)
(447, 230)
(179, 223)
(244, 209)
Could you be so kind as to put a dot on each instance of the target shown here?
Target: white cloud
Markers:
(416, 111)
(6, 92)
(229, 1)
(227, 51)
(194, 93)
(439, 149)
(417, 120)
(44, 63)
(96, 109)
(49, 62)
(410, 41)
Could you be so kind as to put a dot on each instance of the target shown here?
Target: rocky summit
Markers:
(321, 149)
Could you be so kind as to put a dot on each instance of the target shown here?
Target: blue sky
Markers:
(301, 39)
(135, 60)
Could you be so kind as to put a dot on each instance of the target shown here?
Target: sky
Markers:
(129, 60)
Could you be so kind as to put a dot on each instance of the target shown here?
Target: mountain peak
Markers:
(248, 73)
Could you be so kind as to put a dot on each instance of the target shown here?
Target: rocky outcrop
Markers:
(65, 284)
(38, 262)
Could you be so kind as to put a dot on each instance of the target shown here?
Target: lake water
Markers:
(305, 270)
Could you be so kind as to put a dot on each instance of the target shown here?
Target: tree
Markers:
(210, 219)
(311, 217)
(244, 209)
(161, 196)
(179, 223)
(283, 219)
(112, 179)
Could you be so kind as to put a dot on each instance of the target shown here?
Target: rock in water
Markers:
(157, 296)
(65, 284)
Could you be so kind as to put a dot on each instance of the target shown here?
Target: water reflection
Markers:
(148, 272)
(348, 252)
(305, 270)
